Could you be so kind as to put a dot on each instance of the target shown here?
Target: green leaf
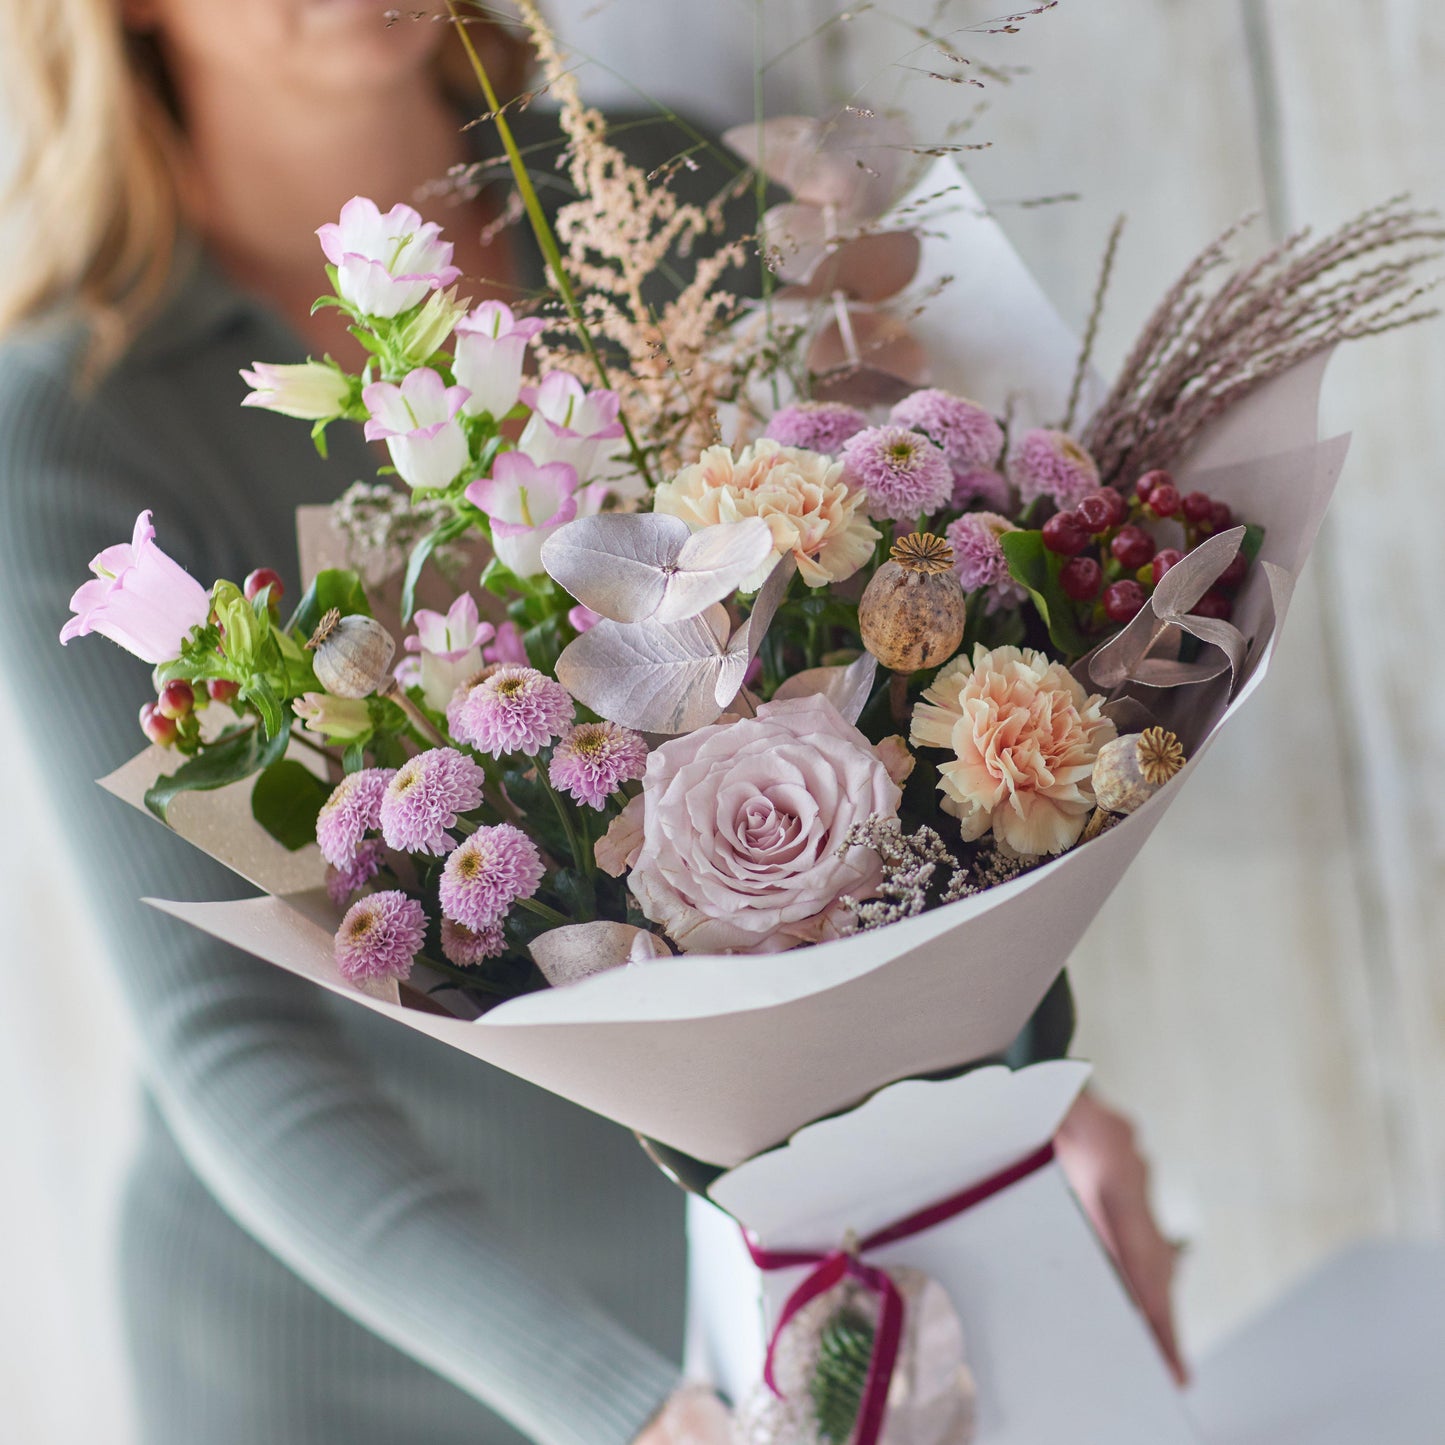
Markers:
(260, 692)
(230, 759)
(285, 801)
(1037, 569)
(1253, 541)
(354, 758)
(336, 587)
(448, 531)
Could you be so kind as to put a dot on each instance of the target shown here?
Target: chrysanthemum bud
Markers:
(912, 612)
(351, 654)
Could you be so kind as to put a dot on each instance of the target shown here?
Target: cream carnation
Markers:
(813, 514)
(743, 824)
(1024, 735)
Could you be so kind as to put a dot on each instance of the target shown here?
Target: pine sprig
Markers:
(845, 1351)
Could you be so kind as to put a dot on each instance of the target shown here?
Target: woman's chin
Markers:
(367, 41)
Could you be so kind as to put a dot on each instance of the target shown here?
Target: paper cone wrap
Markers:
(722, 1057)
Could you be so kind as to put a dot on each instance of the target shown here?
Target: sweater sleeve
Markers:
(284, 1125)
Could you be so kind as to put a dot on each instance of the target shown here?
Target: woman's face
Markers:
(311, 45)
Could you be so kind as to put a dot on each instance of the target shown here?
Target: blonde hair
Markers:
(99, 172)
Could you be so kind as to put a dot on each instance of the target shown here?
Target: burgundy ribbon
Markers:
(836, 1265)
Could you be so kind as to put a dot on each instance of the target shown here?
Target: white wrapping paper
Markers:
(722, 1057)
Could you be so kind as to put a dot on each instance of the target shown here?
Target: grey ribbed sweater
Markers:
(338, 1230)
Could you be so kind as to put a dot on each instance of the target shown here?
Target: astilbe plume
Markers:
(625, 227)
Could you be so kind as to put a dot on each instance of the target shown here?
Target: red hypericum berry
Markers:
(157, 727)
(1220, 517)
(1122, 600)
(1198, 508)
(1214, 604)
(1132, 547)
(176, 699)
(260, 579)
(1164, 500)
(1157, 478)
(1065, 534)
(1101, 510)
(1081, 579)
(1233, 575)
(1164, 559)
(222, 690)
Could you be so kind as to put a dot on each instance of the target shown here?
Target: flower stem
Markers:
(544, 911)
(419, 721)
(580, 855)
(546, 238)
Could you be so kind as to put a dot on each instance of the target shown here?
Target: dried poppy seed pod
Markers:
(350, 654)
(1131, 769)
(913, 611)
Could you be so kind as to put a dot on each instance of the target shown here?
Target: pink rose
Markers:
(742, 823)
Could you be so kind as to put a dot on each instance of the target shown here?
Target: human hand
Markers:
(1096, 1148)
(692, 1415)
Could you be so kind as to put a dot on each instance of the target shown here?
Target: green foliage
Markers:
(448, 531)
(335, 587)
(1037, 569)
(234, 756)
(285, 801)
(844, 1353)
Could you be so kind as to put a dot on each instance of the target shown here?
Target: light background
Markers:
(1264, 991)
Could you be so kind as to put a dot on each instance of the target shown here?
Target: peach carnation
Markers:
(1024, 735)
(812, 512)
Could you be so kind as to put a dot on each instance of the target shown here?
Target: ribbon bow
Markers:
(834, 1266)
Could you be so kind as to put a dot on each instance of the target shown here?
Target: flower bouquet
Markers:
(826, 661)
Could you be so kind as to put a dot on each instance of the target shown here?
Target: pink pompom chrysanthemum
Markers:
(978, 559)
(424, 797)
(512, 710)
(379, 937)
(901, 472)
(1052, 464)
(594, 759)
(970, 437)
(486, 875)
(467, 947)
(816, 426)
(365, 864)
(351, 812)
(982, 487)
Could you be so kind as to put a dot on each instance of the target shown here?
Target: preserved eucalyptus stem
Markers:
(1203, 350)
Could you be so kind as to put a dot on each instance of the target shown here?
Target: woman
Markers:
(337, 1230)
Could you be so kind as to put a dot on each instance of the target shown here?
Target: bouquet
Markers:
(804, 672)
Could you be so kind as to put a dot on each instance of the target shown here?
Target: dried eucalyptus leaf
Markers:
(657, 677)
(616, 563)
(633, 566)
(743, 646)
(712, 564)
(847, 688)
(578, 950)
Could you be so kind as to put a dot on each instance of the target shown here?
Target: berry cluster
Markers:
(170, 721)
(1114, 561)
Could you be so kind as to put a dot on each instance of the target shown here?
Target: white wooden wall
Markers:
(1265, 991)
